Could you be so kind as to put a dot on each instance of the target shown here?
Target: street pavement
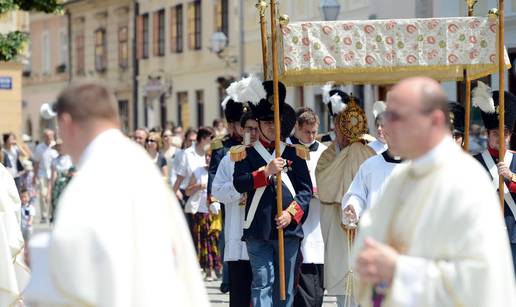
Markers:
(217, 298)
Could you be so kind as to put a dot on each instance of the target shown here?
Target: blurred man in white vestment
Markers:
(14, 275)
(120, 237)
(436, 239)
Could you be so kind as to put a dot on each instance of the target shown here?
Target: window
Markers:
(46, 52)
(182, 109)
(123, 112)
(199, 98)
(158, 33)
(100, 50)
(221, 16)
(176, 29)
(194, 25)
(123, 48)
(63, 52)
(142, 36)
(79, 54)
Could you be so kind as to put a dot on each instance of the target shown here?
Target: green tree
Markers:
(11, 44)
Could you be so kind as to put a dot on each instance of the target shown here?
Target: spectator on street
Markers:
(153, 146)
(140, 135)
(62, 173)
(219, 127)
(190, 137)
(11, 159)
(27, 214)
(43, 156)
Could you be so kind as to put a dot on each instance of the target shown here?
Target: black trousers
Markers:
(310, 289)
(240, 278)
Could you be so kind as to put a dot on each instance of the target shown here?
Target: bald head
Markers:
(417, 116)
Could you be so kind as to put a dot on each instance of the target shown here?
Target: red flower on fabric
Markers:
(349, 56)
(369, 59)
(327, 30)
(328, 60)
(305, 41)
(390, 25)
(389, 40)
(411, 59)
(453, 28)
(288, 61)
(430, 40)
(286, 30)
(347, 40)
(473, 54)
(452, 58)
(432, 24)
(348, 26)
(306, 56)
(492, 58)
(411, 28)
(369, 29)
(473, 39)
(474, 24)
(493, 27)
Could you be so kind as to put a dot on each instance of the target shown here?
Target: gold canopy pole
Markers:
(277, 126)
(467, 81)
(261, 5)
(501, 105)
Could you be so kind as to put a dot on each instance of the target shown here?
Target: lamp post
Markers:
(330, 9)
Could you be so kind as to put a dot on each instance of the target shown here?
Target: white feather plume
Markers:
(336, 104)
(225, 102)
(46, 111)
(248, 89)
(326, 92)
(482, 97)
(378, 108)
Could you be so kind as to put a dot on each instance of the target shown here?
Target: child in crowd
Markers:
(27, 214)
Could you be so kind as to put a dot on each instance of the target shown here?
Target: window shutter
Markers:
(139, 37)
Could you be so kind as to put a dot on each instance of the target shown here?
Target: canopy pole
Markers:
(277, 126)
(261, 5)
(467, 103)
(501, 75)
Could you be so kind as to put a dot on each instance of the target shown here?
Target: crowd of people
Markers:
(402, 218)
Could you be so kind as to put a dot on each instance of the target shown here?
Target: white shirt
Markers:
(45, 154)
(368, 184)
(222, 188)
(27, 211)
(190, 161)
(197, 203)
(109, 246)
(62, 164)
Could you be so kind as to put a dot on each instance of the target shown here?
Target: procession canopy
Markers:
(386, 51)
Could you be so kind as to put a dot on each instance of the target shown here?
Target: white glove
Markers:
(214, 207)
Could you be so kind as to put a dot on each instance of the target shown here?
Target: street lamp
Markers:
(330, 9)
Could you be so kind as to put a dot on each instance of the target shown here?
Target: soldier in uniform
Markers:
(233, 111)
(255, 168)
(489, 157)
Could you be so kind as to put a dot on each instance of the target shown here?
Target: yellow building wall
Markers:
(10, 100)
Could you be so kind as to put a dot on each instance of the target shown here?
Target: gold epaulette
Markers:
(216, 143)
(302, 151)
(238, 153)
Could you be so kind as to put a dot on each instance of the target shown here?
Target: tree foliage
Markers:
(12, 43)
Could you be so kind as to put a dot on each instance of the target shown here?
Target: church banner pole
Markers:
(501, 76)
(261, 5)
(467, 103)
(277, 126)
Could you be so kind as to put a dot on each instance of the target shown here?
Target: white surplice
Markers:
(312, 245)
(120, 238)
(368, 184)
(14, 275)
(222, 188)
(442, 216)
(378, 146)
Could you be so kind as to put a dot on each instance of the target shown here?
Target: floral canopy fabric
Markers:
(385, 51)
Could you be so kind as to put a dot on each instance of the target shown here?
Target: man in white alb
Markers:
(120, 238)
(433, 241)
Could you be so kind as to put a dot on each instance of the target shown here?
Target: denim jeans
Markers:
(263, 255)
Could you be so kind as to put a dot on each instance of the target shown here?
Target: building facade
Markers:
(47, 72)
(101, 48)
(11, 76)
